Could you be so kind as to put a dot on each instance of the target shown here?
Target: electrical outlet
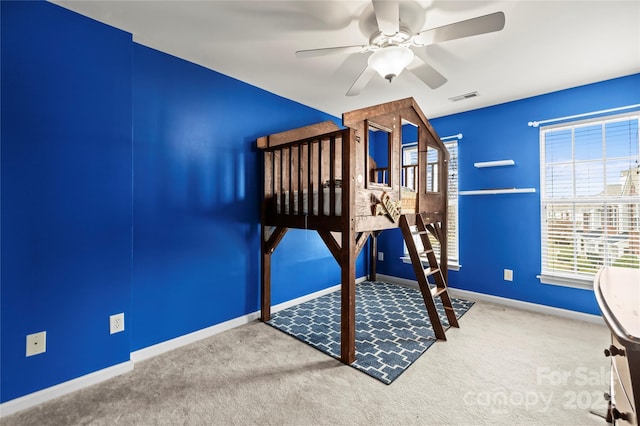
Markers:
(381, 256)
(36, 343)
(116, 323)
(508, 275)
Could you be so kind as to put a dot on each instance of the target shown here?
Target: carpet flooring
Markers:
(392, 326)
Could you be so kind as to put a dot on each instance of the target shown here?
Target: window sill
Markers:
(451, 266)
(584, 284)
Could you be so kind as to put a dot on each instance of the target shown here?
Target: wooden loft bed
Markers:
(324, 178)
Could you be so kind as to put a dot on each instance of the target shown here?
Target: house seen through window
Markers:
(590, 206)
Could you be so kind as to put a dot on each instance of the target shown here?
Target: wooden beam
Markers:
(374, 111)
(332, 245)
(300, 133)
(275, 238)
(361, 241)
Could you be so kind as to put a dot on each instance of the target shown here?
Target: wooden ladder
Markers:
(440, 288)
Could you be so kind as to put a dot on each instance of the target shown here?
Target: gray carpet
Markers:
(497, 369)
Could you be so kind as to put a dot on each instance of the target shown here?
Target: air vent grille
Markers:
(463, 97)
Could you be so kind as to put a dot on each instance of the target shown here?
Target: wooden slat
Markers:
(320, 180)
(310, 163)
(300, 133)
(290, 178)
(280, 183)
(435, 291)
(332, 176)
(301, 185)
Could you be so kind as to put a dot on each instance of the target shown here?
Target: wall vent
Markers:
(465, 96)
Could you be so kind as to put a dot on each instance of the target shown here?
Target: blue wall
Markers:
(197, 183)
(66, 194)
(130, 183)
(503, 231)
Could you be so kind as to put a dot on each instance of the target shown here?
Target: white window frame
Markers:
(579, 276)
(453, 245)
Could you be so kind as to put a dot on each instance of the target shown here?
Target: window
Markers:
(590, 177)
(410, 158)
(379, 153)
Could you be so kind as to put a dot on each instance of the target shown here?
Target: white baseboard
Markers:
(518, 304)
(186, 339)
(33, 399)
(168, 345)
(44, 395)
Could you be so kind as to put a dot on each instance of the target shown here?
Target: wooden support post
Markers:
(265, 287)
(348, 255)
(373, 258)
(268, 243)
(348, 302)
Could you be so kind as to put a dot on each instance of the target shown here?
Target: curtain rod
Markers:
(586, 114)
(458, 136)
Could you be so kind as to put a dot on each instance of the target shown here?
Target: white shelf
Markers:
(497, 191)
(497, 163)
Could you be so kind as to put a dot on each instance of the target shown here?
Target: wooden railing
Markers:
(298, 174)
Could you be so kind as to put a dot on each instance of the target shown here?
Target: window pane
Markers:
(620, 178)
(622, 139)
(559, 146)
(589, 179)
(559, 180)
(588, 143)
(409, 167)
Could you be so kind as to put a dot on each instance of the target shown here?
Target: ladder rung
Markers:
(423, 253)
(435, 291)
(419, 232)
(428, 272)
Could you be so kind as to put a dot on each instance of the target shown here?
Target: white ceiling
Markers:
(545, 46)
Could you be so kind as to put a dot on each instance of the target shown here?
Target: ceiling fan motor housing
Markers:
(391, 53)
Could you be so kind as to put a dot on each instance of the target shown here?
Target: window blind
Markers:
(590, 178)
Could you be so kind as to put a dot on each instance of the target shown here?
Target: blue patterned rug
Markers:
(392, 326)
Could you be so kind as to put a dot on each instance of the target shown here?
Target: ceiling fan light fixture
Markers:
(390, 61)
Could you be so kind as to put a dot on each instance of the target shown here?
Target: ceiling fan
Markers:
(395, 47)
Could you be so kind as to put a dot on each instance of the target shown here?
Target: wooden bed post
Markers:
(348, 253)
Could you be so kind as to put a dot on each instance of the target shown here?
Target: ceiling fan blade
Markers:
(425, 72)
(387, 15)
(467, 28)
(311, 53)
(429, 75)
(361, 82)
